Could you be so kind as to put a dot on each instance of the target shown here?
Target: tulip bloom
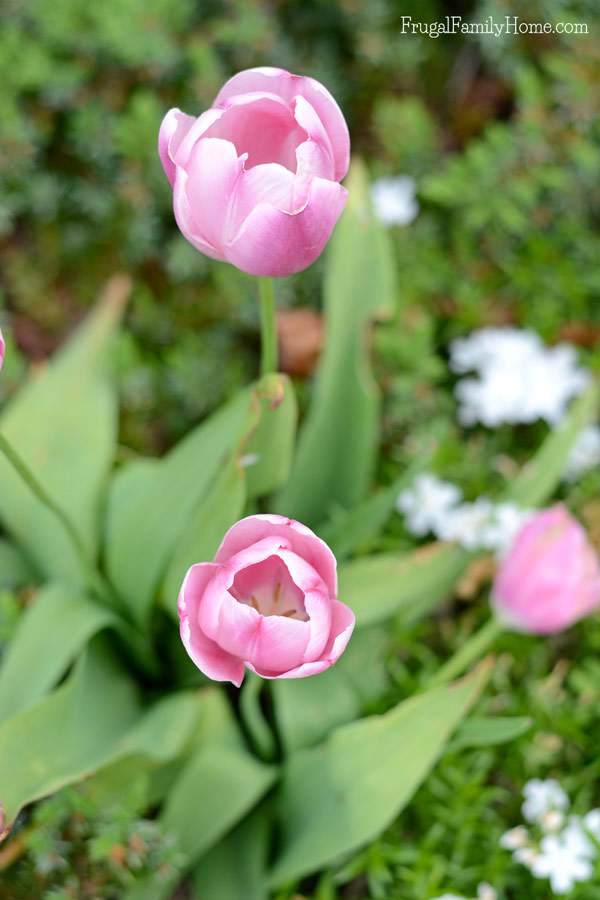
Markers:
(550, 577)
(256, 178)
(2, 350)
(267, 602)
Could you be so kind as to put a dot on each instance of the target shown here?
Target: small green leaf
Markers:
(345, 792)
(15, 569)
(236, 866)
(55, 627)
(486, 731)
(338, 442)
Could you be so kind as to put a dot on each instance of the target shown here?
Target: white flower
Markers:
(541, 797)
(506, 520)
(450, 897)
(552, 820)
(519, 378)
(427, 502)
(515, 838)
(565, 858)
(591, 821)
(465, 523)
(585, 454)
(394, 200)
(486, 892)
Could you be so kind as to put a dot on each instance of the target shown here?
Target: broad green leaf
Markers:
(221, 508)
(151, 506)
(68, 734)
(338, 442)
(345, 792)
(539, 478)
(63, 425)
(270, 448)
(253, 717)
(236, 866)
(410, 584)
(307, 709)
(15, 569)
(216, 789)
(487, 731)
(57, 624)
(160, 512)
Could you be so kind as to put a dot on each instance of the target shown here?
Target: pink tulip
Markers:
(550, 577)
(267, 602)
(2, 350)
(255, 178)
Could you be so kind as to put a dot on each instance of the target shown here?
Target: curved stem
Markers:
(23, 470)
(268, 326)
(470, 652)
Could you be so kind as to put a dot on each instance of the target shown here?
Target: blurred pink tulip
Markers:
(550, 577)
(2, 350)
(256, 177)
(267, 602)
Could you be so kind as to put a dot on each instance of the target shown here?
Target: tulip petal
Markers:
(211, 659)
(213, 170)
(275, 243)
(288, 86)
(184, 218)
(314, 156)
(293, 535)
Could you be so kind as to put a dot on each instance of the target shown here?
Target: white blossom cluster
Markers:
(433, 506)
(394, 200)
(585, 454)
(561, 847)
(518, 378)
(484, 892)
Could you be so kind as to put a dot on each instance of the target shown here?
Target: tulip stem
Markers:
(38, 490)
(470, 652)
(268, 326)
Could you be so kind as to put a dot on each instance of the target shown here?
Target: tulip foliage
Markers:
(258, 791)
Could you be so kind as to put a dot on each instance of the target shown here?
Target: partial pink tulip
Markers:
(267, 602)
(550, 577)
(256, 177)
(2, 350)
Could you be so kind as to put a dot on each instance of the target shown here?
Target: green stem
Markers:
(23, 470)
(268, 326)
(469, 653)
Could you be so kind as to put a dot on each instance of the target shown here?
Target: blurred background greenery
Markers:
(501, 135)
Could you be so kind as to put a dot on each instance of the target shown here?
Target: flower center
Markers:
(268, 588)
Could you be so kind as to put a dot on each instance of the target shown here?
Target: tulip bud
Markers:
(267, 603)
(550, 577)
(256, 178)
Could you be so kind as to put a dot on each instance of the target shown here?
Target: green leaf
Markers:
(63, 424)
(410, 584)
(236, 866)
(338, 442)
(307, 709)
(343, 793)
(486, 731)
(539, 478)
(15, 570)
(57, 624)
(254, 719)
(350, 528)
(166, 515)
(216, 789)
(67, 734)
(270, 449)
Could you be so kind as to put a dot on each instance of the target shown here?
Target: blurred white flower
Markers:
(591, 821)
(552, 820)
(486, 892)
(394, 200)
(427, 502)
(466, 523)
(565, 858)
(519, 379)
(450, 897)
(585, 454)
(541, 797)
(505, 522)
(515, 838)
